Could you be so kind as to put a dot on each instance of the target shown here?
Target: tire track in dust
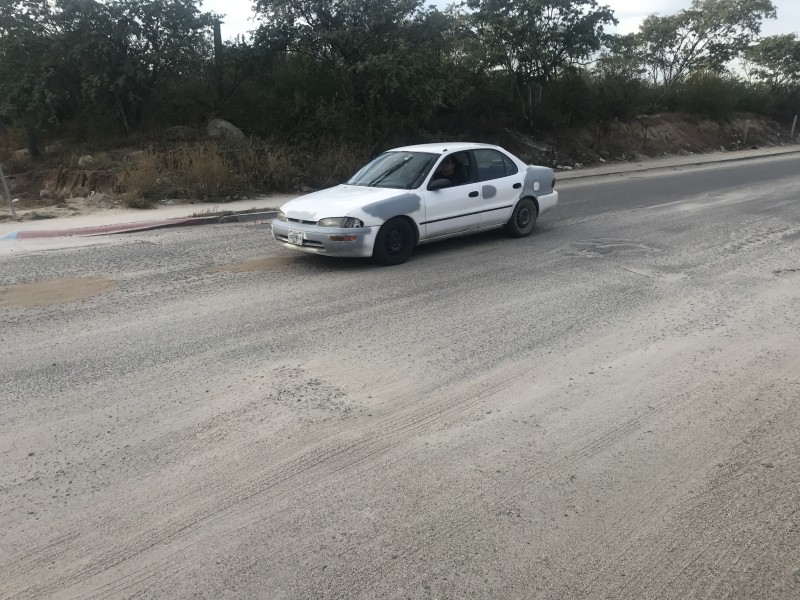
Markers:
(477, 397)
(303, 472)
(516, 483)
(729, 485)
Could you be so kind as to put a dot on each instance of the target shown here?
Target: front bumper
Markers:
(330, 241)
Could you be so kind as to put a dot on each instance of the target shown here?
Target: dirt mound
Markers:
(652, 136)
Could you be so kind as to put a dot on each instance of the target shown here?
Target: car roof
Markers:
(442, 147)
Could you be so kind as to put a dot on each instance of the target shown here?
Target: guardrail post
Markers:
(8, 194)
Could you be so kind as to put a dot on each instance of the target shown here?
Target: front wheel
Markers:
(394, 242)
(523, 219)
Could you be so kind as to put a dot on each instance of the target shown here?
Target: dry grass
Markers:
(201, 171)
(211, 171)
(142, 177)
(206, 170)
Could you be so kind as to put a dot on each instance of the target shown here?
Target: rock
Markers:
(85, 161)
(132, 156)
(602, 160)
(221, 129)
(180, 133)
(45, 194)
(578, 166)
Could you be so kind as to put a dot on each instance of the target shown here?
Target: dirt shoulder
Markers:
(67, 183)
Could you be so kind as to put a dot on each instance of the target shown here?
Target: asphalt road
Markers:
(606, 409)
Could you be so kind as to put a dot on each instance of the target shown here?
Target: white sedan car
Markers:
(416, 195)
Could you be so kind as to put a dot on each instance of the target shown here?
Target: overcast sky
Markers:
(629, 12)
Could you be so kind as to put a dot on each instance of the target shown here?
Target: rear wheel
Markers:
(523, 219)
(394, 242)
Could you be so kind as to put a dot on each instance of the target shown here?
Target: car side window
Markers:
(493, 165)
(456, 168)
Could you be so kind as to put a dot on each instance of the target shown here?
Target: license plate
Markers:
(296, 237)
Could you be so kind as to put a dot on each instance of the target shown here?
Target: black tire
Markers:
(394, 243)
(523, 219)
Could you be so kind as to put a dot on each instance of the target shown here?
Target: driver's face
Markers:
(448, 166)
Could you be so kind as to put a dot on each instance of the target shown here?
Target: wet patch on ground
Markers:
(54, 291)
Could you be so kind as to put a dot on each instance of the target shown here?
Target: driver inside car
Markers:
(452, 170)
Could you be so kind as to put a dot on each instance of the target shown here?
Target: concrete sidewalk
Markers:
(263, 207)
(121, 220)
(669, 162)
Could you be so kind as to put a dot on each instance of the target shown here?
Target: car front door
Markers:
(500, 183)
(456, 208)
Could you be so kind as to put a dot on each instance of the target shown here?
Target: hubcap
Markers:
(394, 241)
(524, 217)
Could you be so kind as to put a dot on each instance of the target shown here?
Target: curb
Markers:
(637, 168)
(253, 217)
(262, 216)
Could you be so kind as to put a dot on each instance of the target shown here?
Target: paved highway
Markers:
(606, 409)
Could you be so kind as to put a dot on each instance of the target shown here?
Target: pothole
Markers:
(54, 291)
(784, 272)
(258, 264)
(601, 247)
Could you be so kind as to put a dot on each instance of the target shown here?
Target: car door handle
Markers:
(517, 186)
(473, 194)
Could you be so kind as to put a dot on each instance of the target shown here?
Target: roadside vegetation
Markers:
(322, 85)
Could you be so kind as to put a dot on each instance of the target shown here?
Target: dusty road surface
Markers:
(607, 409)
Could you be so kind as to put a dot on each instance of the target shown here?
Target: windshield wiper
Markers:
(388, 172)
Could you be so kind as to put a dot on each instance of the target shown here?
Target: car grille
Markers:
(301, 221)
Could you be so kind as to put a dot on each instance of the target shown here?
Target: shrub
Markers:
(707, 94)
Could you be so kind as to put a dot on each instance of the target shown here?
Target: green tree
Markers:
(77, 58)
(776, 61)
(704, 37)
(29, 64)
(121, 50)
(619, 84)
(535, 41)
(386, 55)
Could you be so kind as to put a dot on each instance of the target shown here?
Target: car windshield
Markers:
(401, 170)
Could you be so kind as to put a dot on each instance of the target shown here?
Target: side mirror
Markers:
(438, 184)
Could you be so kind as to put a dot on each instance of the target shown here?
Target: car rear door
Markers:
(500, 184)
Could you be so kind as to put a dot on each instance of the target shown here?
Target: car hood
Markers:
(340, 201)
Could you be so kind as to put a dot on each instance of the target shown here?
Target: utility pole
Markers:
(219, 88)
(8, 194)
(794, 124)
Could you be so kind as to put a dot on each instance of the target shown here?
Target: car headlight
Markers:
(341, 222)
(281, 216)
